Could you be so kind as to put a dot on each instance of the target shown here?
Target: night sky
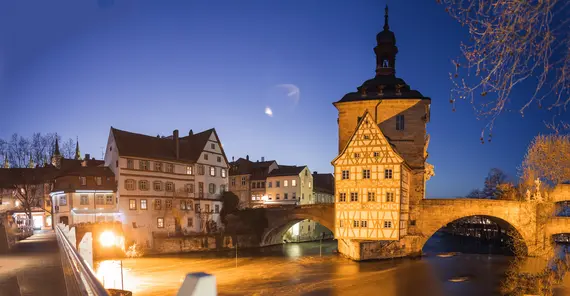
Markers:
(79, 67)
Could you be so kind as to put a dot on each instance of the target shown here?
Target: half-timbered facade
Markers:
(371, 186)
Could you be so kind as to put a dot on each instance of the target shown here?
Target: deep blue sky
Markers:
(79, 67)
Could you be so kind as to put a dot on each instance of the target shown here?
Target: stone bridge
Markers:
(433, 214)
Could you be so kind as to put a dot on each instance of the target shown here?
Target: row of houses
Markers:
(153, 186)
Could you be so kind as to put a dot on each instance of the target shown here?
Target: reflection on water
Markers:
(299, 269)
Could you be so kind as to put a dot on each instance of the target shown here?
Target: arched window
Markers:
(385, 64)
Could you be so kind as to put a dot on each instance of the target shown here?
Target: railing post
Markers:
(199, 283)
(86, 248)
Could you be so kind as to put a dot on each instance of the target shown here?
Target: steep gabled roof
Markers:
(367, 117)
(287, 170)
(138, 145)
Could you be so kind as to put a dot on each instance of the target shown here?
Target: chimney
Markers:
(87, 156)
(176, 143)
(190, 133)
(233, 158)
(262, 159)
(247, 157)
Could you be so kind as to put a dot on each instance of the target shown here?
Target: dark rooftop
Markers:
(382, 87)
(323, 183)
(287, 170)
(138, 145)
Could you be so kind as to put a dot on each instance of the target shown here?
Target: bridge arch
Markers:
(281, 219)
(437, 213)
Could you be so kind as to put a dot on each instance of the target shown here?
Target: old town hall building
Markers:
(381, 168)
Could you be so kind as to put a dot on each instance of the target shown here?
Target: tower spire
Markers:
(56, 150)
(386, 26)
(77, 153)
(31, 165)
(6, 163)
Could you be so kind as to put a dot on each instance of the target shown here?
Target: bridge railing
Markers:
(79, 277)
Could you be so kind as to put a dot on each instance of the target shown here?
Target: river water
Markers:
(314, 269)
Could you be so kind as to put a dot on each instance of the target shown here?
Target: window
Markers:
(130, 164)
(132, 204)
(277, 196)
(242, 181)
(169, 186)
(98, 181)
(400, 122)
(387, 224)
(83, 200)
(356, 155)
(183, 205)
(83, 181)
(233, 181)
(269, 184)
(302, 196)
(223, 173)
(201, 169)
(212, 171)
(294, 183)
(389, 196)
(262, 185)
(345, 175)
(168, 204)
(285, 196)
(388, 174)
(157, 204)
(205, 156)
(342, 196)
(340, 223)
(200, 189)
(158, 166)
(109, 199)
(376, 153)
(144, 165)
(269, 196)
(169, 168)
(189, 205)
(207, 208)
(371, 196)
(188, 170)
(356, 223)
(63, 200)
(309, 184)
(222, 188)
(366, 137)
(190, 222)
(143, 204)
(160, 222)
(285, 183)
(294, 195)
(253, 185)
(157, 185)
(277, 184)
(197, 208)
(189, 188)
(212, 188)
(143, 185)
(363, 223)
(365, 174)
(216, 209)
(213, 146)
(354, 196)
(385, 64)
(219, 159)
(100, 200)
(130, 184)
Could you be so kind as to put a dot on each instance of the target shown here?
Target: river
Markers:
(314, 269)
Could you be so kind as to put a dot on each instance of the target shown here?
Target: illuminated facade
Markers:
(289, 185)
(381, 169)
(167, 185)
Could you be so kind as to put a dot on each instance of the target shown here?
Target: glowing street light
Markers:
(107, 239)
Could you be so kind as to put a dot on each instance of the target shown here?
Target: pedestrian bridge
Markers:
(433, 214)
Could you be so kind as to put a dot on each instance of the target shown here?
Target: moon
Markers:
(293, 91)
(268, 111)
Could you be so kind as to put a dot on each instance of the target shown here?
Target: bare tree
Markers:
(30, 188)
(511, 42)
(18, 151)
(547, 158)
(68, 149)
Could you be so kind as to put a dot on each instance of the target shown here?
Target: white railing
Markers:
(79, 276)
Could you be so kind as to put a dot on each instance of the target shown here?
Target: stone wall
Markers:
(200, 243)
